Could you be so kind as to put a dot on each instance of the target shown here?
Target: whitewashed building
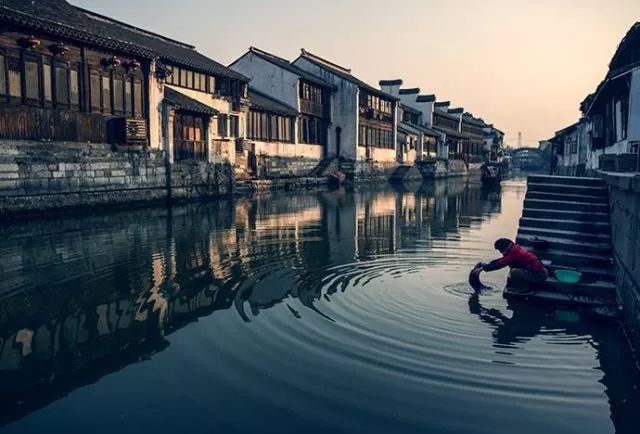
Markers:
(570, 150)
(415, 113)
(612, 112)
(279, 85)
(449, 125)
(493, 142)
(364, 119)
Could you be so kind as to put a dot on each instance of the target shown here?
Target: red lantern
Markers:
(134, 64)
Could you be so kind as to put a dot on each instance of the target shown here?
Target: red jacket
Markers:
(516, 257)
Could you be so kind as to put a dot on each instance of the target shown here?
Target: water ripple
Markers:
(342, 312)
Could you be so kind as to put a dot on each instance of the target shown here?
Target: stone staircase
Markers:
(401, 171)
(324, 167)
(565, 220)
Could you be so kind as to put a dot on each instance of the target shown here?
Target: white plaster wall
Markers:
(458, 116)
(593, 157)
(426, 108)
(221, 104)
(633, 127)
(288, 149)
(378, 154)
(393, 90)
(569, 159)
(224, 148)
(155, 94)
(583, 143)
(269, 79)
(633, 131)
(344, 109)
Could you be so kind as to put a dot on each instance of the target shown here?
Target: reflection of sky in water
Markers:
(337, 312)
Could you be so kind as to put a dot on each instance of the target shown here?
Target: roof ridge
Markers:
(132, 27)
(305, 53)
(258, 51)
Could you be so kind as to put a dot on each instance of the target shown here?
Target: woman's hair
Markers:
(502, 244)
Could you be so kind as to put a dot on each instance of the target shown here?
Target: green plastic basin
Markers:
(568, 276)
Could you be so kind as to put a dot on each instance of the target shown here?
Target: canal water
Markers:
(337, 312)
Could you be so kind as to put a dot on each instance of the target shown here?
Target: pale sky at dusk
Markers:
(524, 65)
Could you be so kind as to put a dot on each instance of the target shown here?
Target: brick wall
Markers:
(433, 169)
(373, 171)
(200, 180)
(41, 178)
(272, 166)
(457, 168)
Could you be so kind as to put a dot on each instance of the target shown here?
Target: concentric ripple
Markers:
(338, 312)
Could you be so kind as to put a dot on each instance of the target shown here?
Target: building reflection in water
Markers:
(526, 321)
(109, 289)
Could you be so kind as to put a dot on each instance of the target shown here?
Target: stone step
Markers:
(577, 216)
(593, 238)
(598, 206)
(581, 227)
(566, 180)
(600, 289)
(566, 244)
(557, 297)
(566, 197)
(562, 258)
(583, 190)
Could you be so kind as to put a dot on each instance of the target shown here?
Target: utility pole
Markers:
(519, 140)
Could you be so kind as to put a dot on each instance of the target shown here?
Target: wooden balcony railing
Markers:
(312, 108)
(189, 150)
(37, 123)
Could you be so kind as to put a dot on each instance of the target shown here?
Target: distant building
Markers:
(415, 113)
(276, 80)
(612, 111)
(493, 142)
(449, 124)
(473, 128)
(364, 119)
(569, 160)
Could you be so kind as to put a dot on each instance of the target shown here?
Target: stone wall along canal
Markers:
(337, 312)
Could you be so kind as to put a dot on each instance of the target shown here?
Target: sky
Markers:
(523, 65)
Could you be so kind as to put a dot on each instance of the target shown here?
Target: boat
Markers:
(491, 173)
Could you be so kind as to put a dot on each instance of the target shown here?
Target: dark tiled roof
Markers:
(442, 103)
(59, 18)
(630, 41)
(431, 132)
(410, 109)
(409, 91)
(402, 127)
(566, 130)
(445, 115)
(183, 102)
(397, 82)
(167, 49)
(457, 110)
(262, 102)
(473, 121)
(284, 64)
(426, 98)
(423, 129)
(451, 133)
(345, 74)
